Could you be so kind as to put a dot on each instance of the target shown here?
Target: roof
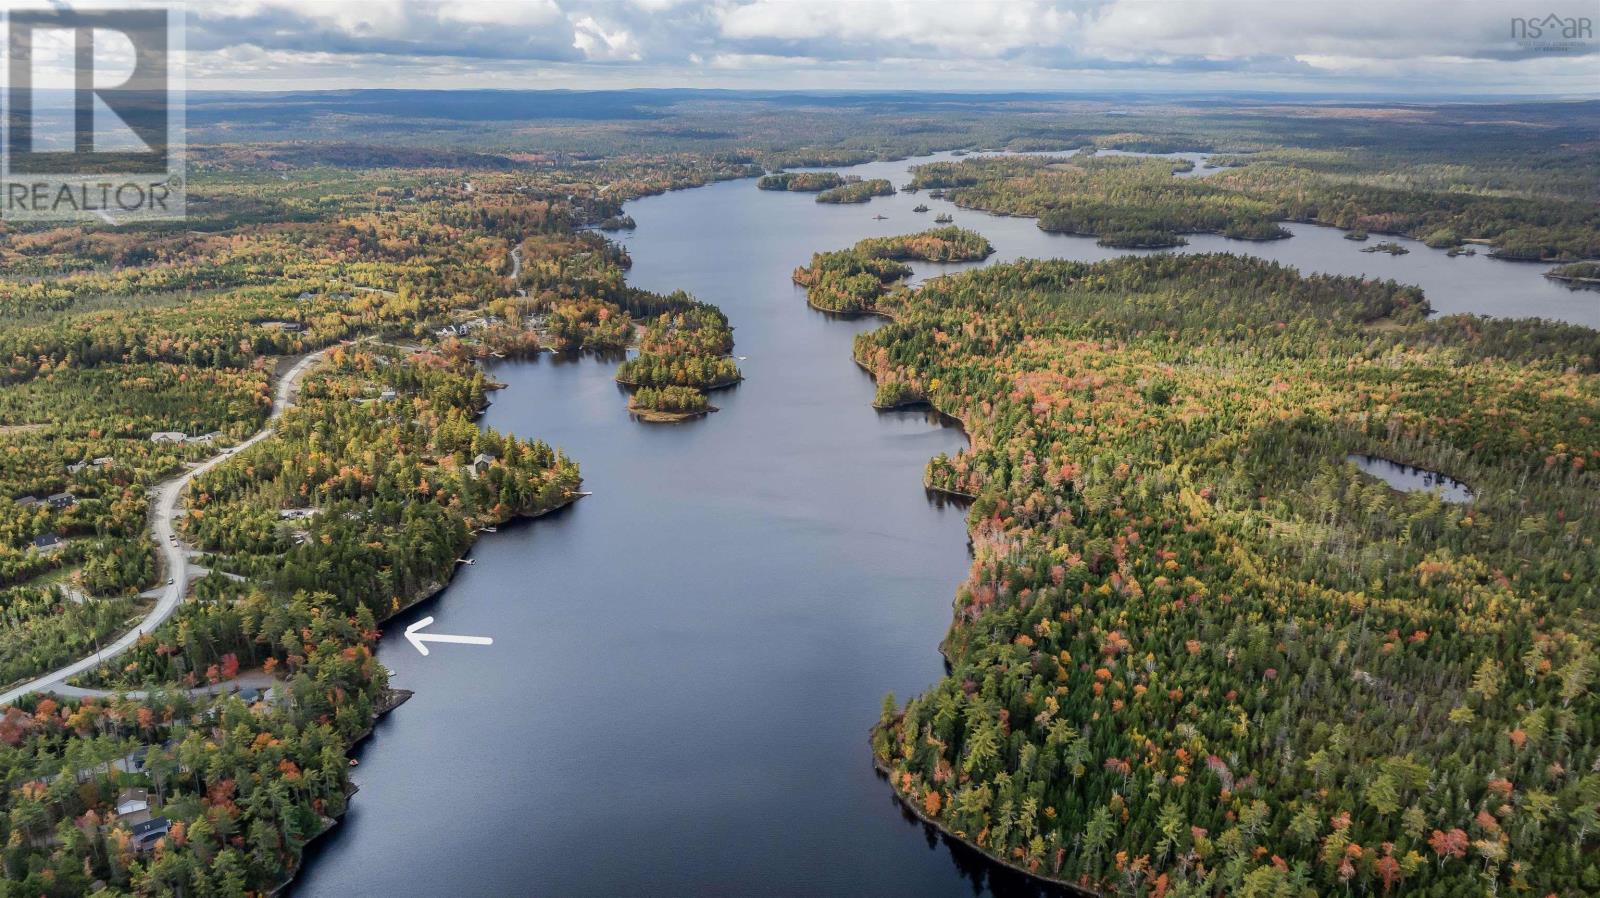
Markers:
(155, 826)
(46, 540)
(127, 806)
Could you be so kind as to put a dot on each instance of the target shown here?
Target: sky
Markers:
(1358, 46)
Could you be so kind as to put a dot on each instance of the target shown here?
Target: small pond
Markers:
(1411, 480)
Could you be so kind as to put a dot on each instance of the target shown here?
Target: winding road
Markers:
(176, 561)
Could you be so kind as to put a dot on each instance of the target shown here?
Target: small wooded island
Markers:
(668, 404)
(683, 353)
(1387, 246)
(851, 281)
(804, 182)
(857, 191)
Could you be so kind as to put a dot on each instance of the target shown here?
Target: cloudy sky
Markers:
(1396, 46)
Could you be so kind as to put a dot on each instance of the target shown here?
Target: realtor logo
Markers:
(1553, 33)
(94, 114)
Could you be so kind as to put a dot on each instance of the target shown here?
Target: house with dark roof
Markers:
(47, 542)
(61, 500)
(149, 832)
(481, 464)
(28, 501)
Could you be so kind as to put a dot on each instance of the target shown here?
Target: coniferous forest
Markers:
(1198, 651)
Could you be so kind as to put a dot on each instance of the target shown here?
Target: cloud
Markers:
(1431, 45)
(599, 44)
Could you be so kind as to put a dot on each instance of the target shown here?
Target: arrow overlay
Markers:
(420, 640)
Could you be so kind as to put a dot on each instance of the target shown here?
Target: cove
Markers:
(686, 663)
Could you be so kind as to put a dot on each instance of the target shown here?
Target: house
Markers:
(168, 436)
(149, 832)
(388, 395)
(296, 514)
(28, 501)
(77, 466)
(61, 500)
(481, 463)
(104, 461)
(293, 327)
(133, 802)
(203, 438)
(47, 542)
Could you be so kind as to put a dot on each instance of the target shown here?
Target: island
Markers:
(857, 191)
(1387, 246)
(853, 281)
(804, 182)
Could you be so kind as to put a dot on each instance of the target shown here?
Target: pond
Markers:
(1411, 480)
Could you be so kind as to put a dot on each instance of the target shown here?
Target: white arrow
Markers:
(417, 639)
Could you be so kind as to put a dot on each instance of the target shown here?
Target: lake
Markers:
(686, 663)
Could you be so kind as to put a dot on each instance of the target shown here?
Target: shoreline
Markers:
(715, 385)
(390, 700)
(948, 420)
(434, 589)
(1575, 281)
(657, 416)
(944, 831)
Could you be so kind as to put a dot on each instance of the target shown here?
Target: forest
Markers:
(683, 353)
(1198, 652)
(1578, 274)
(375, 482)
(1136, 202)
(804, 182)
(857, 191)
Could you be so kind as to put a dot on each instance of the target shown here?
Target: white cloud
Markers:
(981, 28)
(1414, 45)
(600, 44)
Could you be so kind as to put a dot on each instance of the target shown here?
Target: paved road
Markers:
(254, 679)
(175, 560)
